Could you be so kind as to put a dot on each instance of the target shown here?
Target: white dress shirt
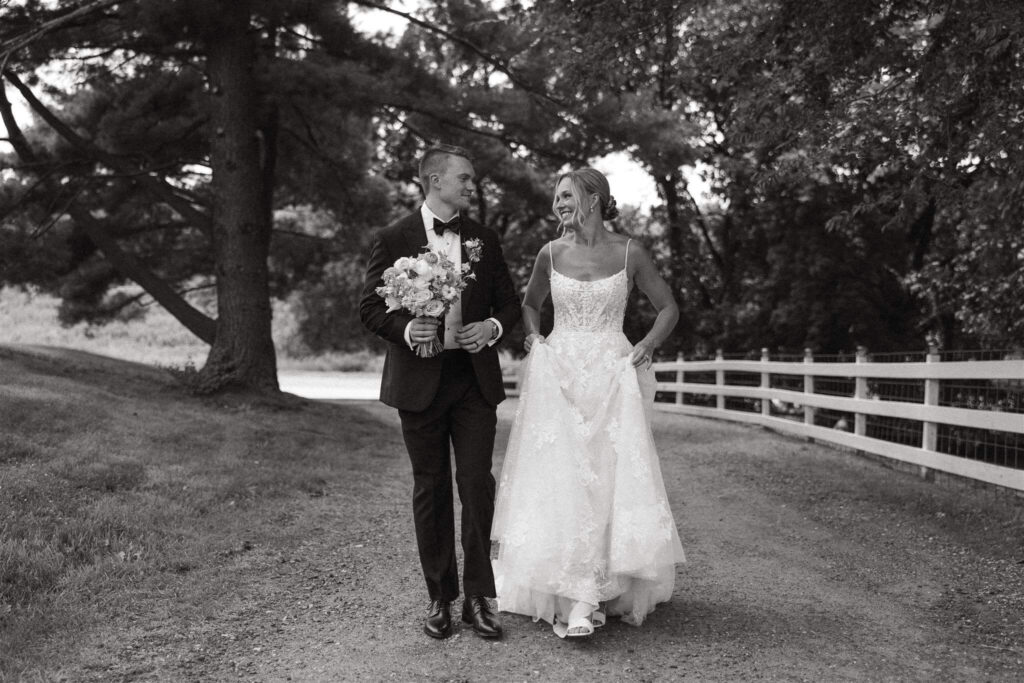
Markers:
(449, 244)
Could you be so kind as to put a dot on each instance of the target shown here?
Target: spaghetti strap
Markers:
(625, 266)
(551, 256)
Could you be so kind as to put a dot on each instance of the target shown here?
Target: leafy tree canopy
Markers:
(863, 157)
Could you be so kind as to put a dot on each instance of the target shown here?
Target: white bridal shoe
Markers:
(583, 619)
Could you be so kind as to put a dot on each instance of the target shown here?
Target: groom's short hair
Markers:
(435, 160)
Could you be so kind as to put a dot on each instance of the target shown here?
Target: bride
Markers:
(582, 522)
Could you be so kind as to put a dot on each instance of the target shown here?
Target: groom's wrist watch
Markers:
(494, 334)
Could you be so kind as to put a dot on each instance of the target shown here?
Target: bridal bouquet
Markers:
(427, 286)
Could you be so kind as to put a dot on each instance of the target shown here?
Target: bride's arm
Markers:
(536, 292)
(650, 282)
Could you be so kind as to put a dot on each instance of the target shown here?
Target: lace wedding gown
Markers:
(581, 512)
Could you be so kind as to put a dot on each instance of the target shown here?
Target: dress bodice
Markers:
(597, 306)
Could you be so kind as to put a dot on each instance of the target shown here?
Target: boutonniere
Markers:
(474, 249)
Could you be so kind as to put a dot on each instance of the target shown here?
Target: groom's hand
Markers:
(423, 329)
(474, 336)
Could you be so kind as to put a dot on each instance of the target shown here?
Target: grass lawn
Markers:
(157, 339)
(121, 496)
(30, 317)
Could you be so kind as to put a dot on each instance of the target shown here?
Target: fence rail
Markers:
(963, 417)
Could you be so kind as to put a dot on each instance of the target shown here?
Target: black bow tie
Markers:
(454, 225)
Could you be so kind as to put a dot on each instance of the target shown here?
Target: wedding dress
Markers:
(581, 514)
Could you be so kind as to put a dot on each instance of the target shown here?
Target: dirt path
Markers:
(804, 564)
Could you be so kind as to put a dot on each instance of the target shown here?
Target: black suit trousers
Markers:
(458, 418)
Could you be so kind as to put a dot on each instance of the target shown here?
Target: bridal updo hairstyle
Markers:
(588, 181)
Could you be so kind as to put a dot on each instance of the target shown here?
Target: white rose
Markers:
(420, 296)
(420, 282)
(434, 308)
(422, 267)
(404, 263)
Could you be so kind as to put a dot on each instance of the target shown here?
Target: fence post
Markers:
(860, 391)
(930, 430)
(680, 378)
(808, 386)
(720, 380)
(766, 404)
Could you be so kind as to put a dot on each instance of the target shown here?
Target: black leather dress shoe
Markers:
(477, 611)
(439, 619)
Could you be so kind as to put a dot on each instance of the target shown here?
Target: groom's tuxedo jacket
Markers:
(411, 382)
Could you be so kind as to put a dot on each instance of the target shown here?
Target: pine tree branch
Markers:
(192, 318)
(14, 44)
(505, 138)
(154, 183)
(195, 320)
(294, 233)
(111, 311)
(125, 303)
(671, 195)
(497, 63)
(136, 173)
(702, 222)
(15, 135)
(54, 215)
(313, 146)
(142, 230)
(27, 194)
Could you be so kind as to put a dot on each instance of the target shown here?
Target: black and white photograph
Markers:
(511, 340)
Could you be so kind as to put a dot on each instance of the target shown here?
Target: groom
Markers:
(447, 401)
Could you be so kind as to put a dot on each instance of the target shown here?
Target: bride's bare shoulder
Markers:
(547, 253)
(556, 246)
(620, 243)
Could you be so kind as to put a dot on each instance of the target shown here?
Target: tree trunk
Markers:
(243, 351)
(677, 224)
(673, 211)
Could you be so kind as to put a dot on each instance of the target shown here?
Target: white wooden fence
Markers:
(908, 411)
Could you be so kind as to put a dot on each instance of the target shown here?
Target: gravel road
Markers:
(805, 563)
